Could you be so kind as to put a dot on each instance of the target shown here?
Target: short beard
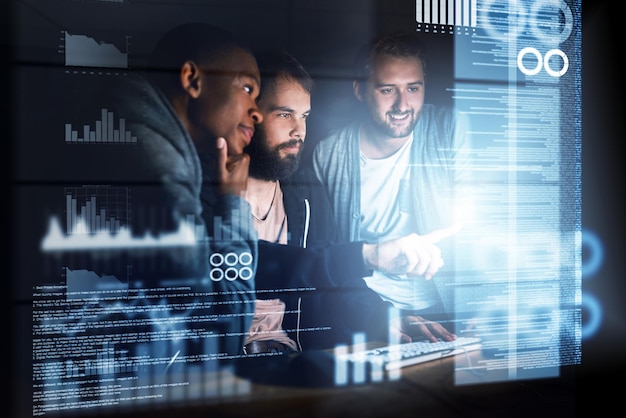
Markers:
(266, 164)
(395, 131)
(383, 127)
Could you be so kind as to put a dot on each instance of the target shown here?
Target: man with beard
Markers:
(310, 289)
(285, 98)
(398, 171)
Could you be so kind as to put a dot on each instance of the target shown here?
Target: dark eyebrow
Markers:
(285, 109)
(281, 108)
(414, 83)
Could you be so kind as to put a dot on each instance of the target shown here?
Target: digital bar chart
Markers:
(106, 130)
(446, 12)
(100, 209)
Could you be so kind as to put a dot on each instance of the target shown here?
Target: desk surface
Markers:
(427, 389)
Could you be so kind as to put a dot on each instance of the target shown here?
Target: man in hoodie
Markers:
(310, 290)
(197, 94)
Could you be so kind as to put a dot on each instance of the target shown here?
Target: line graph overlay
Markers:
(84, 51)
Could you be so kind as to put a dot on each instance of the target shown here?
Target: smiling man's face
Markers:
(394, 95)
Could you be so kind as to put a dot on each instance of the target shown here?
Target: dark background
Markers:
(603, 190)
(596, 382)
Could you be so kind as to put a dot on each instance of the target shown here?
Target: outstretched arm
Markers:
(413, 254)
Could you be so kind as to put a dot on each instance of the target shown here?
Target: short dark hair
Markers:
(276, 64)
(199, 42)
(396, 44)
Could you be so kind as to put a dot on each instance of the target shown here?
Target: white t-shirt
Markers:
(386, 214)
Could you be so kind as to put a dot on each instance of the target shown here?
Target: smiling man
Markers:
(397, 171)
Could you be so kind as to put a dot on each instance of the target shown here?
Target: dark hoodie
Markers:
(320, 281)
(212, 312)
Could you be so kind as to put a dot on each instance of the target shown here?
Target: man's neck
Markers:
(260, 193)
(379, 146)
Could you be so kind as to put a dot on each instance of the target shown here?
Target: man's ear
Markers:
(190, 79)
(356, 87)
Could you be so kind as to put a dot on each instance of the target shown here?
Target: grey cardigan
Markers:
(440, 168)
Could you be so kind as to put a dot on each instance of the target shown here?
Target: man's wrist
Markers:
(369, 255)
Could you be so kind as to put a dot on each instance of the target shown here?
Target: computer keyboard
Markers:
(401, 355)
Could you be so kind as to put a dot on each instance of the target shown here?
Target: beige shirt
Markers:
(273, 226)
(269, 313)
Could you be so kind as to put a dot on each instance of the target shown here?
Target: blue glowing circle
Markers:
(231, 259)
(246, 273)
(568, 25)
(245, 258)
(520, 60)
(216, 259)
(546, 62)
(514, 9)
(216, 275)
(595, 316)
(593, 262)
(231, 274)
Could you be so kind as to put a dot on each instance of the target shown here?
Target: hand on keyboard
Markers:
(409, 328)
(401, 355)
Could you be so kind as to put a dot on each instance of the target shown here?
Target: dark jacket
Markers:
(164, 170)
(320, 281)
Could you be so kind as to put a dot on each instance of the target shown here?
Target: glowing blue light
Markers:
(595, 254)
(595, 316)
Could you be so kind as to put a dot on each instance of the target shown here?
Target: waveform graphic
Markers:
(82, 239)
(86, 283)
(83, 51)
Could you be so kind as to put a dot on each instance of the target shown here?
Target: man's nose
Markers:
(402, 101)
(299, 128)
(256, 115)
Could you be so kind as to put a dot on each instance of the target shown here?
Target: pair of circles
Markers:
(593, 262)
(225, 266)
(542, 62)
